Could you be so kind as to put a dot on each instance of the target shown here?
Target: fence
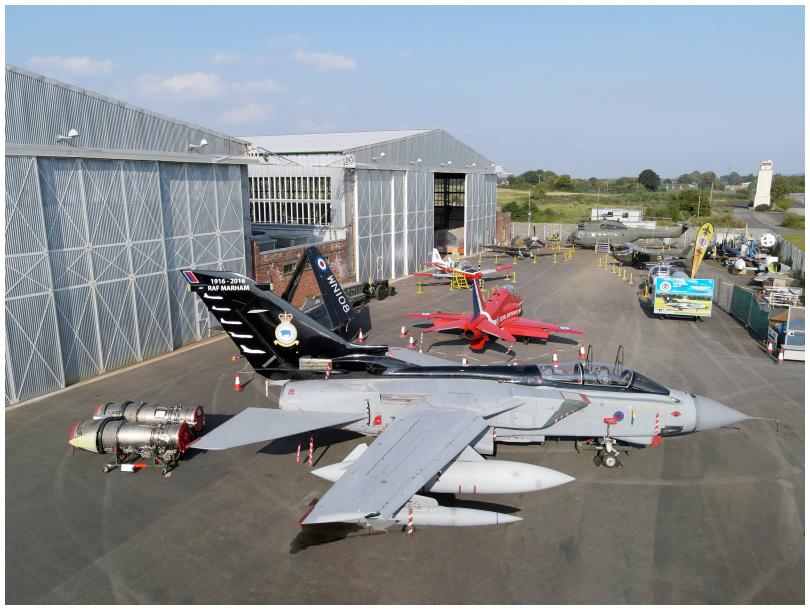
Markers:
(740, 302)
(787, 252)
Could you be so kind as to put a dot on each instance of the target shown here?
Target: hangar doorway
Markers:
(448, 212)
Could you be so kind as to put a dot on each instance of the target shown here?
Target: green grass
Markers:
(793, 221)
(797, 239)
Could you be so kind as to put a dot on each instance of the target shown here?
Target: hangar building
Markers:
(105, 203)
(392, 195)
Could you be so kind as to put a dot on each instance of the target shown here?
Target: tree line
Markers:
(649, 181)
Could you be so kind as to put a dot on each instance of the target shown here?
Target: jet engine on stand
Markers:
(133, 431)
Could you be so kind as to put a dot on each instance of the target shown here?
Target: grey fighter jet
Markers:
(430, 415)
(522, 247)
(618, 234)
(641, 257)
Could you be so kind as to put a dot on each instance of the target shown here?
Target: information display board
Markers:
(675, 296)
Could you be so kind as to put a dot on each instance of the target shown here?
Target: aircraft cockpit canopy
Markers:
(467, 266)
(509, 288)
(609, 376)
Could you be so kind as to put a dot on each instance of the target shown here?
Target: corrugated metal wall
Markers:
(419, 191)
(394, 222)
(479, 212)
(94, 250)
(39, 108)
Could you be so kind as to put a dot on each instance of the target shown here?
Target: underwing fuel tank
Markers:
(479, 476)
(153, 415)
(424, 513)
(113, 435)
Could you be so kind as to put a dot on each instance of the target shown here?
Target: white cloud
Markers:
(252, 112)
(189, 86)
(225, 58)
(326, 61)
(76, 66)
(262, 86)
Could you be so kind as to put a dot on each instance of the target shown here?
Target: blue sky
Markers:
(591, 91)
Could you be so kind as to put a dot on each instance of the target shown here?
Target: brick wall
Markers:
(503, 227)
(268, 267)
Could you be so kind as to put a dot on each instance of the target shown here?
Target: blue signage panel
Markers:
(675, 296)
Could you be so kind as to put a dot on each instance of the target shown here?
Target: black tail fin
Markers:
(338, 304)
(270, 333)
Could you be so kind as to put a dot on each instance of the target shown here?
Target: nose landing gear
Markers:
(607, 455)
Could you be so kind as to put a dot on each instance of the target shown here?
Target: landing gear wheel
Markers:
(526, 340)
(380, 292)
(609, 460)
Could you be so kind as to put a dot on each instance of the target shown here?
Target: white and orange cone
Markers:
(464, 361)
(411, 343)
(554, 359)
(237, 385)
(781, 358)
(403, 332)
(770, 347)
(581, 352)
(360, 337)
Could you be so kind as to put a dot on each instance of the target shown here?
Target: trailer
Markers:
(786, 331)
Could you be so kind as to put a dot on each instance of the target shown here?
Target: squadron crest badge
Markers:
(286, 333)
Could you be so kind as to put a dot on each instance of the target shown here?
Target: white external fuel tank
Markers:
(477, 476)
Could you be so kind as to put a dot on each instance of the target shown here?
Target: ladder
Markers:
(602, 246)
(459, 281)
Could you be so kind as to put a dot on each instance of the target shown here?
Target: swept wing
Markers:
(256, 425)
(409, 452)
(523, 327)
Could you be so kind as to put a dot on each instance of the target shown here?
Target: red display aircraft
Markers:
(447, 267)
(498, 316)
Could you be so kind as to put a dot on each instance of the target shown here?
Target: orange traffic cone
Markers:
(581, 352)
(770, 347)
(237, 385)
(403, 332)
(360, 337)
(781, 358)
(554, 359)
(464, 361)
(411, 343)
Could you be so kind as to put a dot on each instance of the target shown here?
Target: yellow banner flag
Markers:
(704, 238)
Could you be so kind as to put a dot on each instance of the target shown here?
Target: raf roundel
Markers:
(321, 264)
(618, 416)
(666, 286)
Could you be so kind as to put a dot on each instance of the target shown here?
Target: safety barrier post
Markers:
(554, 261)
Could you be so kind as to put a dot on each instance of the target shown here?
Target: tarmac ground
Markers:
(714, 517)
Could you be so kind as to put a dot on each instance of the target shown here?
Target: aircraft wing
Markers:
(495, 270)
(408, 453)
(256, 425)
(422, 359)
(523, 327)
(439, 315)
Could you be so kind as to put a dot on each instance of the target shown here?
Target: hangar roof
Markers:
(38, 108)
(329, 142)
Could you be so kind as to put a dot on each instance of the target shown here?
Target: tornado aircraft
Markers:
(434, 419)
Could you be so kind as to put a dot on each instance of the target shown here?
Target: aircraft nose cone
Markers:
(712, 414)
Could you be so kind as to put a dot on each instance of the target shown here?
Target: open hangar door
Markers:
(449, 198)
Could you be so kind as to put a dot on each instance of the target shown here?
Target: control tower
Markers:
(763, 194)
